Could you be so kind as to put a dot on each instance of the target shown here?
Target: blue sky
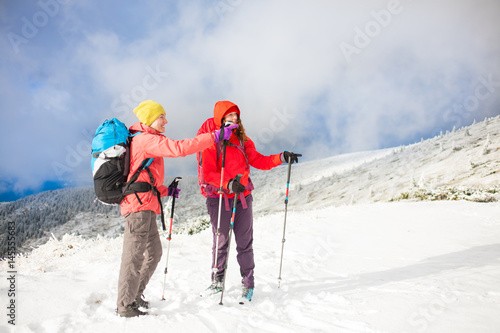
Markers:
(317, 77)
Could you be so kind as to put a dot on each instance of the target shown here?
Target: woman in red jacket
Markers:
(240, 155)
(141, 242)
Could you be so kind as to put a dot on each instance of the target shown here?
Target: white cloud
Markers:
(52, 100)
(271, 58)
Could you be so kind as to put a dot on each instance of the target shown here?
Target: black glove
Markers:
(285, 157)
(235, 186)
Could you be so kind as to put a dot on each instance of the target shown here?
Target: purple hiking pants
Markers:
(243, 234)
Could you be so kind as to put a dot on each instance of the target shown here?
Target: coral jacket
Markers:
(236, 162)
(151, 143)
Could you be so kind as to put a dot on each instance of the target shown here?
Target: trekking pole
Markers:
(238, 177)
(172, 186)
(221, 192)
(284, 223)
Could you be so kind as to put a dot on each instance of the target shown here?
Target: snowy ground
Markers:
(385, 267)
(353, 261)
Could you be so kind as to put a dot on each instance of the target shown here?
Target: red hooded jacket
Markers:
(235, 162)
(151, 143)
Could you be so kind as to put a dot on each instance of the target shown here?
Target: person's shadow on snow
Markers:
(475, 257)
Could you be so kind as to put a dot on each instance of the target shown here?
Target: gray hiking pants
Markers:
(243, 234)
(142, 251)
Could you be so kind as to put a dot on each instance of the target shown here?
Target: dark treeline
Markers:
(39, 213)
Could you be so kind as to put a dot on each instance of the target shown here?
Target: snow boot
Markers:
(141, 303)
(213, 289)
(246, 295)
(132, 310)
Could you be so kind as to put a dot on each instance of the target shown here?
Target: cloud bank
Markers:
(316, 77)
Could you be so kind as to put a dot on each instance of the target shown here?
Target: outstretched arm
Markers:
(259, 161)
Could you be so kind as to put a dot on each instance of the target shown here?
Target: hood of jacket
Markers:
(140, 127)
(221, 109)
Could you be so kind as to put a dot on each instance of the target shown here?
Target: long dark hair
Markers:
(240, 131)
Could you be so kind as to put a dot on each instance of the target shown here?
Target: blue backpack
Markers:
(111, 164)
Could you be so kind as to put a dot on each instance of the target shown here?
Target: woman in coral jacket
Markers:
(240, 155)
(141, 242)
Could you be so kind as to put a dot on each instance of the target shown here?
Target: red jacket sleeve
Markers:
(235, 163)
(158, 146)
(259, 161)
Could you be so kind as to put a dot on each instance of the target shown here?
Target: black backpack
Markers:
(111, 164)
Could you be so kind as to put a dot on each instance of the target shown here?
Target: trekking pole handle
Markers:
(289, 166)
(288, 179)
(238, 177)
(175, 182)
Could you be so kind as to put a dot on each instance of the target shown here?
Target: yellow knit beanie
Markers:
(148, 111)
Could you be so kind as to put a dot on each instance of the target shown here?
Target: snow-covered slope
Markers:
(465, 159)
(469, 157)
(384, 267)
(353, 261)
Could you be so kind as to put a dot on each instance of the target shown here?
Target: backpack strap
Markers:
(133, 186)
(240, 147)
(210, 189)
(144, 165)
